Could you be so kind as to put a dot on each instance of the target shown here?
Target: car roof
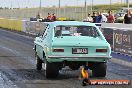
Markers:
(56, 23)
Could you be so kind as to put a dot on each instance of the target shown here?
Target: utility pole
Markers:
(59, 4)
(110, 4)
(85, 3)
(121, 1)
(127, 1)
(86, 7)
(92, 6)
(40, 4)
(11, 4)
(39, 9)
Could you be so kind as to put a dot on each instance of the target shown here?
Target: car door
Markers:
(40, 43)
(45, 42)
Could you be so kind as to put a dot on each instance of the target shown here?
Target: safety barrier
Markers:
(12, 24)
(33, 27)
(120, 37)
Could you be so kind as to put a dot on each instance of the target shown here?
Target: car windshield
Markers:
(120, 14)
(90, 31)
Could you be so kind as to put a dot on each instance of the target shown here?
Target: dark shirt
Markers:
(98, 19)
(94, 19)
(127, 19)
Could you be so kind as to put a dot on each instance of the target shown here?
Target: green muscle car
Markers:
(73, 44)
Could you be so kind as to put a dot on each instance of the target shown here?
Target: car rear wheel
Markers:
(99, 70)
(38, 63)
(51, 69)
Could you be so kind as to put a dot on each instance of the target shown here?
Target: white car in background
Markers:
(119, 17)
(105, 14)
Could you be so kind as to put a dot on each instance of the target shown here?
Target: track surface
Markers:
(17, 67)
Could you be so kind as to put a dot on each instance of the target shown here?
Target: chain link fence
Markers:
(73, 13)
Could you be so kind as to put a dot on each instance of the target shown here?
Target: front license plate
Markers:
(79, 51)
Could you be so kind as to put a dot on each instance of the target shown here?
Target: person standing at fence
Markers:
(104, 19)
(38, 16)
(110, 18)
(49, 16)
(53, 17)
(98, 17)
(128, 17)
(89, 18)
(94, 17)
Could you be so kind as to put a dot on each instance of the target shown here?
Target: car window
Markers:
(42, 31)
(76, 31)
(120, 14)
(45, 31)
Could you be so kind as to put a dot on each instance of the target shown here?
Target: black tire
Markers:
(38, 63)
(52, 70)
(99, 70)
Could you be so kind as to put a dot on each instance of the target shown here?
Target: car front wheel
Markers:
(99, 70)
(38, 63)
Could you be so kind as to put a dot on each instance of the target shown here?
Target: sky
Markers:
(45, 3)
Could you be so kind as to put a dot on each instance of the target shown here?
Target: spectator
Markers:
(104, 19)
(110, 18)
(53, 18)
(98, 17)
(128, 17)
(89, 18)
(38, 16)
(94, 17)
(49, 16)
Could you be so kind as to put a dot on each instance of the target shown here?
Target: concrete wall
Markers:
(11, 24)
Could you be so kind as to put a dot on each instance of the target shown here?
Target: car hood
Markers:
(79, 41)
(120, 17)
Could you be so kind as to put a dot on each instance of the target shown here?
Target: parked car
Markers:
(119, 17)
(105, 14)
(73, 44)
(124, 10)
